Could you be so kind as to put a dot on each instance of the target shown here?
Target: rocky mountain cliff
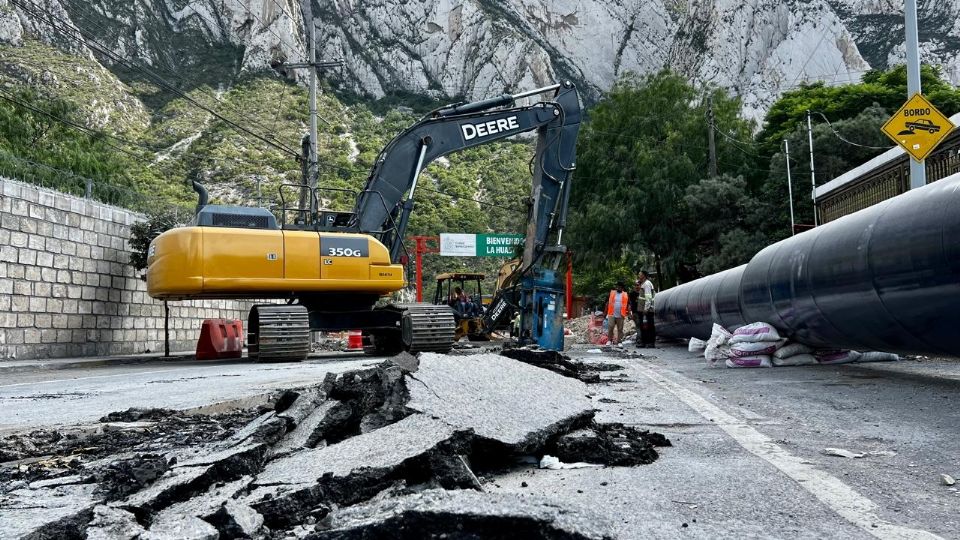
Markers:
(478, 48)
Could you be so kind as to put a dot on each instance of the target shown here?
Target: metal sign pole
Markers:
(918, 170)
(793, 223)
(813, 176)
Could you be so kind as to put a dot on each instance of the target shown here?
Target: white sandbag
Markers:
(717, 348)
(837, 357)
(805, 359)
(875, 356)
(715, 356)
(748, 362)
(696, 345)
(720, 334)
(758, 331)
(792, 349)
(753, 348)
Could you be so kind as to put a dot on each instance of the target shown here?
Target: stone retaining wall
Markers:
(66, 288)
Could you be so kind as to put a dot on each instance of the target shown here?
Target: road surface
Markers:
(45, 398)
(748, 461)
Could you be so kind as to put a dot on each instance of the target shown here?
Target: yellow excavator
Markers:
(333, 268)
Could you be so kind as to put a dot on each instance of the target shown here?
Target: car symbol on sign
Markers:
(921, 124)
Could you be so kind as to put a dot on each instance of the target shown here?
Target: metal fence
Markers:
(25, 170)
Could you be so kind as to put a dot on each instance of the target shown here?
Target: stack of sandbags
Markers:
(753, 345)
(760, 345)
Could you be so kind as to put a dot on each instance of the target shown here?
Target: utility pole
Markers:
(710, 141)
(312, 52)
(918, 169)
(813, 175)
(793, 223)
(311, 175)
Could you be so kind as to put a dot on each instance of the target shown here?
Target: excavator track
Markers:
(427, 328)
(278, 333)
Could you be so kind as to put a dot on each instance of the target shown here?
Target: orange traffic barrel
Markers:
(220, 338)
(354, 340)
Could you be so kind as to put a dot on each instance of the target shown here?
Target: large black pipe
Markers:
(885, 278)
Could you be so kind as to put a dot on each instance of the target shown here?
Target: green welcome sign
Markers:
(479, 245)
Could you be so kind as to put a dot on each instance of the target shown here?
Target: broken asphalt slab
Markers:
(462, 514)
(50, 512)
(505, 402)
(356, 468)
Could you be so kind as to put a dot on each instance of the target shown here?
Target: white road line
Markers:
(840, 497)
(127, 374)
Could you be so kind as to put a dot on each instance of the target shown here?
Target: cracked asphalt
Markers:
(747, 458)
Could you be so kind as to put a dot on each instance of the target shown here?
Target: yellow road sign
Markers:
(918, 127)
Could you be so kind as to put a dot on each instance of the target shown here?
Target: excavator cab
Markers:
(463, 292)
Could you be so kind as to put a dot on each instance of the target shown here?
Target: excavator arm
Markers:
(384, 206)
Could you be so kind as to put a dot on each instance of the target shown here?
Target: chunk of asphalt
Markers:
(505, 402)
(194, 475)
(267, 428)
(175, 485)
(113, 524)
(353, 470)
(57, 512)
(406, 362)
(180, 528)
(309, 432)
(308, 399)
(237, 520)
(60, 481)
(376, 397)
(559, 363)
(244, 458)
(463, 514)
(205, 504)
(126, 474)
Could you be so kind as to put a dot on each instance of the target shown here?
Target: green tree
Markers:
(888, 89)
(643, 145)
(732, 233)
(143, 232)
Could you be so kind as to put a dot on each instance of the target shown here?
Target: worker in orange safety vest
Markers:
(618, 305)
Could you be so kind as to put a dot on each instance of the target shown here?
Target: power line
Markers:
(75, 125)
(835, 132)
(809, 57)
(735, 144)
(84, 38)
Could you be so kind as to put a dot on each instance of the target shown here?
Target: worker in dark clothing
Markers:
(647, 332)
(636, 307)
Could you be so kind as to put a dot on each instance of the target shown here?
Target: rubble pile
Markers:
(405, 446)
(580, 329)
